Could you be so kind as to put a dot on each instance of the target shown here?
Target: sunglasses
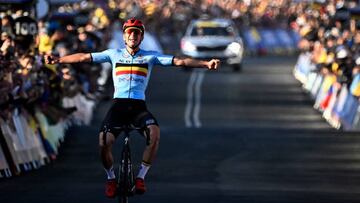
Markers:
(133, 30)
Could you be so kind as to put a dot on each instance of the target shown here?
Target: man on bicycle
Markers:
(131, 69)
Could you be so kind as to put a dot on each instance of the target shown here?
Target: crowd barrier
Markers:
(29, 141)
(338, 103)
(262, 41)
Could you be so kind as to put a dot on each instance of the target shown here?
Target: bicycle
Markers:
(126, 180)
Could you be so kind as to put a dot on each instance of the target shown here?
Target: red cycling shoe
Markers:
(111, 188)
(140, 186)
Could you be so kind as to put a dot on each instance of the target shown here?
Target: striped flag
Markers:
(325, 102)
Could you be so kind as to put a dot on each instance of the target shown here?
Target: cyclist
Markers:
(131, 68)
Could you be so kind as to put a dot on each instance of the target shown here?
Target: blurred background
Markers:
(39, 103)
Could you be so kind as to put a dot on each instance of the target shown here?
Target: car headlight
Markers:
(234, 47)
(188, 46)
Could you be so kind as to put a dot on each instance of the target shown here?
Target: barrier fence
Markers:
(338, 102)
(262, 41)
(30, 140)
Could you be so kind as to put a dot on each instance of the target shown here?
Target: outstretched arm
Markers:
(194, 63)
(73, 58)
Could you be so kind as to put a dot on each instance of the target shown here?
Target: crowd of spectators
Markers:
(329, 63)
(330, 33)
(28, 83)
(38, 101)
(168, 19)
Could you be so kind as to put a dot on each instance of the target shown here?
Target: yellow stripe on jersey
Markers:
(131, 68)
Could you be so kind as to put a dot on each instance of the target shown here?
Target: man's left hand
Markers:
(213, 64)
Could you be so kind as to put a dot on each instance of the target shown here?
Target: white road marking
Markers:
(193, 104)
(197, 106)
(187, 115)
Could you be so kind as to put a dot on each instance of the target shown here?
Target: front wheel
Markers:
(126, 177)
(123, 177)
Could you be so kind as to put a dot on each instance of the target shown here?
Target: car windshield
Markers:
(212, 31)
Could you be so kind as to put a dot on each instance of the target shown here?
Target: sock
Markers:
(143, 170)
(110, 173)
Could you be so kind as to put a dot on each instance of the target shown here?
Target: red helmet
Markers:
(133, 22)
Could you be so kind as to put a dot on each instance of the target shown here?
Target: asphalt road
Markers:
(250, 137)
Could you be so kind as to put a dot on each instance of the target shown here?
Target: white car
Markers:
(214, 38)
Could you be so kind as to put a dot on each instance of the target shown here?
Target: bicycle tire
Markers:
(123, 171)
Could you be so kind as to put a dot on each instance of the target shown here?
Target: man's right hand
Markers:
(49, 59)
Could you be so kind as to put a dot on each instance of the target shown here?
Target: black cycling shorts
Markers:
(127, 112)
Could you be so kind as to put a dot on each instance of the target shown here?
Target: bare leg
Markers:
(148, 157)
(151, 150)
(106, 149)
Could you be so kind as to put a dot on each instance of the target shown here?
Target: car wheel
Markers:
(237, 67)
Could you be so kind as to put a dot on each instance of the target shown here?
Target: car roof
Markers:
(217, 22)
